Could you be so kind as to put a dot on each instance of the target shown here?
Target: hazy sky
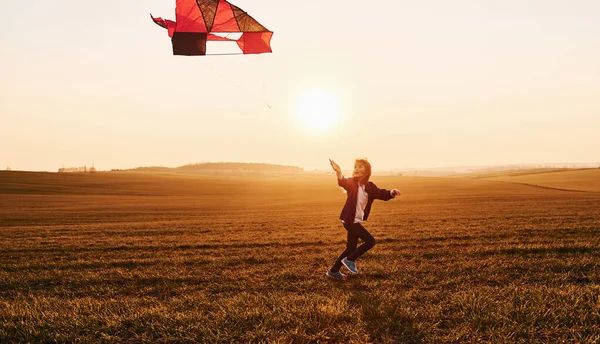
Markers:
(416, 84)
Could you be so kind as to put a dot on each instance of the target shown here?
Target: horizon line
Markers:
(309, 169)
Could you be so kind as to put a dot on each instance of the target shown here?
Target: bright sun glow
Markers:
(318, 109)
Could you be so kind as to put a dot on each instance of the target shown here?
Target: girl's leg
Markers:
(350, 247)
(359, 231)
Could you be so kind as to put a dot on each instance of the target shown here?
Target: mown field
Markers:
(148, 257)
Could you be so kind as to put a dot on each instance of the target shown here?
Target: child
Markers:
(360, 196)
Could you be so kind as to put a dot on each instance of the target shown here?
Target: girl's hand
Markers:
(395, 192)
(335, 167)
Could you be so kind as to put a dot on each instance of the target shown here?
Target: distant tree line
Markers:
(83, 169)
(221, 167)
(240, 166)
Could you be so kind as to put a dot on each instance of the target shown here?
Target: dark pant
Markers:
(355, 231)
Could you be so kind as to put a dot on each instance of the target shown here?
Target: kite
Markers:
(199, 21)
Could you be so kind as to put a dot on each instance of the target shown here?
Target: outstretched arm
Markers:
(384, 194)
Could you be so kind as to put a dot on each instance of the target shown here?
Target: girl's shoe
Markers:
(350, 265)
(335, 275)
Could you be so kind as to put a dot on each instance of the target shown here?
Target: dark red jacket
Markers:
(351, 187)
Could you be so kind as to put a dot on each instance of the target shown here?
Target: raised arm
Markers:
(337, 169)
(343, 182)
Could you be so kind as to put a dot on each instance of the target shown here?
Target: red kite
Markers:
(198, 21)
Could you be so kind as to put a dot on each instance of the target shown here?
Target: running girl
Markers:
(360, 196)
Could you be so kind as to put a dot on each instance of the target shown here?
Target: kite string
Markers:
(238, 85)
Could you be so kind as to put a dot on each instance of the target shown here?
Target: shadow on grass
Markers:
(386, 321)
(521, 251)
(155, 248)
(79, 266)
(103, 287)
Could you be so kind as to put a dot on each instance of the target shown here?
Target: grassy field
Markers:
(573, 180)
(148, 257)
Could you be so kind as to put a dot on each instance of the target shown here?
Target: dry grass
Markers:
(138, 257)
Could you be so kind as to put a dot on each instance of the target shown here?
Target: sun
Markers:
(317, 109)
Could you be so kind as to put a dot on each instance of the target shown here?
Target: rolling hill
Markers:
(564, 179)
